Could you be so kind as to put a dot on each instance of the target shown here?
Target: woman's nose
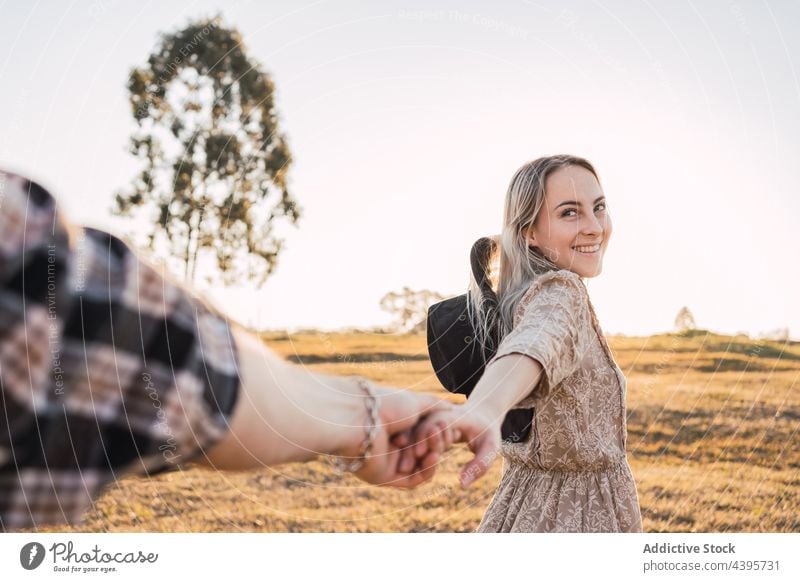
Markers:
(592, 226)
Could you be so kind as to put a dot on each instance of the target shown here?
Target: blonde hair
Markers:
(519, 264)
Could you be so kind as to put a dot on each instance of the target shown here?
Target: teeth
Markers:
(589, 249)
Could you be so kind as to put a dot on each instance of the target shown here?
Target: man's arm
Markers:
(287, 413)
(108, 366)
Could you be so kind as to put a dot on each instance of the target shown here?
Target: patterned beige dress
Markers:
(571, 474)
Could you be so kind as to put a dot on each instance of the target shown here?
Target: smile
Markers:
(588, 250)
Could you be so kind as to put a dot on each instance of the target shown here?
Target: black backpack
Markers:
(454, 353)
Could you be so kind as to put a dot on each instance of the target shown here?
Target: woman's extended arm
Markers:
(544, 347)
(505, 382)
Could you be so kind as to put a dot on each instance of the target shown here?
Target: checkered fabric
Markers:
(106, 366)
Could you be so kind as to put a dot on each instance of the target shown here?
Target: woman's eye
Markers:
(567, 212)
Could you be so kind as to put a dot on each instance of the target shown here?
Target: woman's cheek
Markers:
(609, 228)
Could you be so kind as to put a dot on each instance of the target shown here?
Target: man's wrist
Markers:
(351, 423)
(347, 460)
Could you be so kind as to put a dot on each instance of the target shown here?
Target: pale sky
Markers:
(408, 119)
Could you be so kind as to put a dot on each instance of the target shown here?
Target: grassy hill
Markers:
(712, 441)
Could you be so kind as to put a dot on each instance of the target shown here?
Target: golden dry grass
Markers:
(713, 444)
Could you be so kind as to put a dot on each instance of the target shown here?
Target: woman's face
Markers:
(573, 227)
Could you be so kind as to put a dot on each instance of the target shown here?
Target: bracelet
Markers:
(354, 465)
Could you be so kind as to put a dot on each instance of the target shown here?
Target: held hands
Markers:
(399, 413)
(415, 431)
(460, 424)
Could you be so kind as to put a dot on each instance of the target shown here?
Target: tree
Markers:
(213, 182)
(684, 321)
(410, 308)
(780, 334)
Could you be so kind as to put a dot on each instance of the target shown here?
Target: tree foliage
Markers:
(410, 308)
(684, 321)
(213, 181)
(780, 334)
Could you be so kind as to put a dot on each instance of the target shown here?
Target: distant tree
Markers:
(780, 334)
(213, 181)
(410, 308)
(684, 321)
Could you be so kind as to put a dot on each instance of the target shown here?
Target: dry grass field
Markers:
(713, 444)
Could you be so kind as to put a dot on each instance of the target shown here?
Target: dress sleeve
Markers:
(107, 366)
(550, 326)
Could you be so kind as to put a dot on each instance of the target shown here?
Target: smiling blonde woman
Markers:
(571, 474)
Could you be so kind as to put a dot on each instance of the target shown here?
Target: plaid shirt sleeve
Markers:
(106, 367)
